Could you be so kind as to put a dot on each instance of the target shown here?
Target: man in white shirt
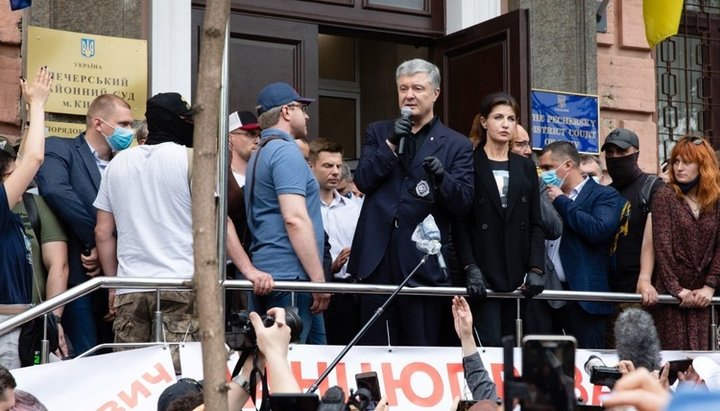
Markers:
(340, 216)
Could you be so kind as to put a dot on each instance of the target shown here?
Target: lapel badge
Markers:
(422, 189)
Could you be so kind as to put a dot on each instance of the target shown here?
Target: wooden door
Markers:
(263, 51)
(488, 57)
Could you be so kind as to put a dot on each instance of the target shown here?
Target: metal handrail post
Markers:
(158, 320)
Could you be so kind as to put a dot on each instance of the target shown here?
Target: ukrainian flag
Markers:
(662, 18)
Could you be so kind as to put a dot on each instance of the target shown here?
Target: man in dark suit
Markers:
(69, 180)
(409, 168)
(591, 217)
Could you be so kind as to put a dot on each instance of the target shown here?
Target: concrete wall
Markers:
(627, 79)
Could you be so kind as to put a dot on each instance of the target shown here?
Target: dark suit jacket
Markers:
(69, 180)
(590, 224)
(387, 184)
(504, 242)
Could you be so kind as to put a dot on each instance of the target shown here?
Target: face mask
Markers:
(550, 177)
(623, 170)
(686, 187)
(120, 139)
(596, 178)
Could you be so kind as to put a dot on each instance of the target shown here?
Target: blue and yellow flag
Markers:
(662, 19)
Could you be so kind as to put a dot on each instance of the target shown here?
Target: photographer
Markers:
(477, 377)
(272, 342)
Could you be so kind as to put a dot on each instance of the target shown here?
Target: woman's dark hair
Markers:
(5, 160)
(478, 134)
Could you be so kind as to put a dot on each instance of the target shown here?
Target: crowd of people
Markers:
(509, 219)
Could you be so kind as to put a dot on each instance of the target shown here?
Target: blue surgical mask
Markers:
(120, 139)
(550, 177)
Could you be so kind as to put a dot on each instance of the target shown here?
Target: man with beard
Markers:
(621, 157)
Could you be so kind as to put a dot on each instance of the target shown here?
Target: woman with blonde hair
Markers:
(686, 240)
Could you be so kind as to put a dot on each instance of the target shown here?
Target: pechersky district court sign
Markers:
(85, 66)
(558, 116)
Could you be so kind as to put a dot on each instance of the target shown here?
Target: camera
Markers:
(240, 334)
(601, 374)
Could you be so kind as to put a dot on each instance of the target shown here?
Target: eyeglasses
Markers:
(302, 107)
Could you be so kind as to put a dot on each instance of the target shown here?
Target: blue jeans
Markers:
(313, 331)
(78, 323)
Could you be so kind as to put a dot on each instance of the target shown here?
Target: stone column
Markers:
(563, 45)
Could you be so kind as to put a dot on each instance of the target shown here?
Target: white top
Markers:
(553, 246)
(146, 189)
(240, 178)
(339, 220)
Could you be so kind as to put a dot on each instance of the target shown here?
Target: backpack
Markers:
(645, 191)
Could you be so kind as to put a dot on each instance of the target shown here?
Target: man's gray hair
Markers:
(270, 118)
(414, 66)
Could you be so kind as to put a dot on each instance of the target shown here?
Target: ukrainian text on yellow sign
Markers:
(85, 66)
(62, 129)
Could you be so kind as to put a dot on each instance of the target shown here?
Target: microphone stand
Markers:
(366, 327)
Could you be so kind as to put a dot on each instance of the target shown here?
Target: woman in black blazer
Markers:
(500, 241)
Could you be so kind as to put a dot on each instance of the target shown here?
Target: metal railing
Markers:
(305, 286)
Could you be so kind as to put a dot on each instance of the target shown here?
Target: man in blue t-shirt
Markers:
(283, 208)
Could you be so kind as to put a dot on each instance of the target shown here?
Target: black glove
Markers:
(402, 128)
(475, 282)
(534, 284)
(434, 167)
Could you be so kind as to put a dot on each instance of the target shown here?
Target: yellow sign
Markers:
(62, 129)
(85, 66)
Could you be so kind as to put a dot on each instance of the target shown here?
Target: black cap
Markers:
(622, 138)
(172, 102)
(180, 388)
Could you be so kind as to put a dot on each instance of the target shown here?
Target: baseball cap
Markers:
(173, 392)
(243, 120)
(172, 102)
(278, 94)
(622, 138)
(6, 146)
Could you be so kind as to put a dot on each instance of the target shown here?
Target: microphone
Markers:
(405, 113)
(636, 339)
(427, 239)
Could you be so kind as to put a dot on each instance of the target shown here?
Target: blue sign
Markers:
(569, 117)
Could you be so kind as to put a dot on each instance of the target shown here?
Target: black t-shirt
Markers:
(624, 277)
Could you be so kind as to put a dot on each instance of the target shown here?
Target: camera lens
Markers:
(292, 319)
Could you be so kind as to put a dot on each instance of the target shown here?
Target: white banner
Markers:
(412, 378)
(127, 380)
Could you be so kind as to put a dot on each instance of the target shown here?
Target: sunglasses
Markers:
(697, 140)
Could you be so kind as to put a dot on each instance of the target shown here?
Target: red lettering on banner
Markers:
(390, 383)
(455, 374)
(136, 389)
(307, 382)
(599, 390)
(496, 370)
(162, 375)
(580, 391)
(437, 384)
(365, 367)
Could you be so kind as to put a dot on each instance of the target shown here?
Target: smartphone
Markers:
(369, 381)
(465, 405)
(548, 369)
(294, 401)
(677, 366)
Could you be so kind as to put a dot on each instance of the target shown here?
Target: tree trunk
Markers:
(204, 211)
